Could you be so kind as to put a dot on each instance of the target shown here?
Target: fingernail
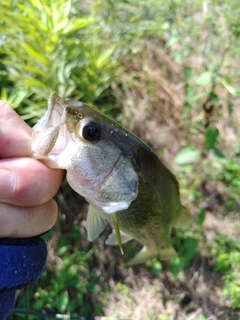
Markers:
(7, 183)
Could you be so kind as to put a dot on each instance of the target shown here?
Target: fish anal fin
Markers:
(146, 254)
(95, 223)
(112, 239)
(184, 218)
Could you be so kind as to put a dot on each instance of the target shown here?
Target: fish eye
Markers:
(91, 132)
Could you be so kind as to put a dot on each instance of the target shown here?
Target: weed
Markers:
(58, 49)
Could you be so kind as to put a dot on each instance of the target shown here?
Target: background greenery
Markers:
(169, 71)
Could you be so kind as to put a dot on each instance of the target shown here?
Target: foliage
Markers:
(226, 253)
(50, 46)
(120, 25)
(66, 288)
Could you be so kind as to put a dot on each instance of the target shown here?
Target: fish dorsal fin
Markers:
(112, 239)
(184, 218)
(95, 223)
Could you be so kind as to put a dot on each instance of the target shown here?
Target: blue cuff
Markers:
(21, 262)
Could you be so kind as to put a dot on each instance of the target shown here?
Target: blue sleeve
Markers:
(21, 262)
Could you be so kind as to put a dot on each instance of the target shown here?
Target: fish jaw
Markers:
(50, 134)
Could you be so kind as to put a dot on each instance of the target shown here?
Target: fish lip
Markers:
(40, 134)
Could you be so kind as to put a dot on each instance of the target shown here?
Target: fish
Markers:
(122, 179)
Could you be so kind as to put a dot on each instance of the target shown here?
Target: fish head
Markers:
(79, 138)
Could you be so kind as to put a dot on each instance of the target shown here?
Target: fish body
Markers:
(118, 174)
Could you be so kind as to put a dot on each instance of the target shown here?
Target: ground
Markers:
(151, 106)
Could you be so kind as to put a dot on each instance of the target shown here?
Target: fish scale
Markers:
(122, 178)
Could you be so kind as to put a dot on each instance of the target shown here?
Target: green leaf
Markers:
(187, 71)
(186, 155)
(62, 301)
(234, 91)
(61, 25)
(30, 50)
(229, 108)
(104, 57)
(201, 216)
(189, 91)
(217, 152)
(156, 266)
(4, 95)
(213, 96)
(204, 79)
(190, 247)
(187, 106)
(211, 138)
(77, 24)
(173, 39)
(176, 264)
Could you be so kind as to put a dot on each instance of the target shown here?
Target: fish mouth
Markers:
(50, 133)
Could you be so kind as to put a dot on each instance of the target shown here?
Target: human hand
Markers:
(26, 185)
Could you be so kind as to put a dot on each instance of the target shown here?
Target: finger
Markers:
(24, 222)
(27, 182)
(15, 135)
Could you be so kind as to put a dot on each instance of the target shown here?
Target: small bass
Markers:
(122, 178)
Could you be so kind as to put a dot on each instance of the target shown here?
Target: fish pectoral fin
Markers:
(112, 239)
(183, 219)
(95, 223)
(147, 254)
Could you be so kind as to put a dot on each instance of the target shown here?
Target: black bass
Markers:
(120, 176)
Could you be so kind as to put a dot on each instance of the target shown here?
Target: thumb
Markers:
(15, 134)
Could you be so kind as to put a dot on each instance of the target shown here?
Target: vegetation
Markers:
(168, 70)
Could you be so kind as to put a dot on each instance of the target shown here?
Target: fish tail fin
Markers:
(146, 254)
(184, 218)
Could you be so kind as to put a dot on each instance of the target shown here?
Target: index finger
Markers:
(15, 134)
